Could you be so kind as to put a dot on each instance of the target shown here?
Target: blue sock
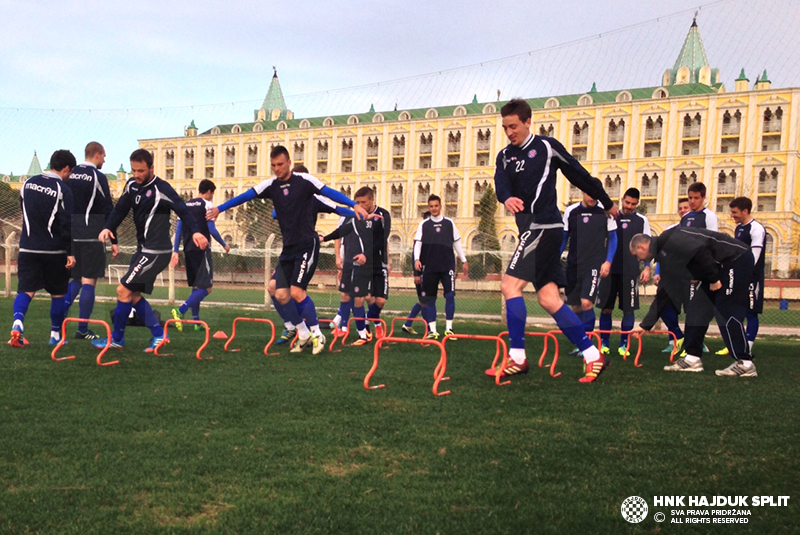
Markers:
(358, 312)
(197, 295)
(309, 311)
(516, 316)
(145, 311)
(289, 312)
(57, 306)
(72, 292)
(449, 306)
(85, 306)
(196, 312)
(605, 325)
(279, 308)
(415, 310)
(752, 327)
(627, 324)
(431, 311)
(21, 303)
(345, 307)
(587, 318)
(670, 317)
(374, 311)
(121, 314)
(572, 327)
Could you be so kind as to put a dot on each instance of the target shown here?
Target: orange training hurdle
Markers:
(501, 344)
(441, 366)
(64, 339)
(165, 341)
(373, 320)
(254, 320)
(412, 320)
(590, 334)
(639, 340)
(547, 336)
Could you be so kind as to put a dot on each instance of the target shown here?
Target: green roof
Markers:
(693, 56)
(475, 108)
(742, 76)
(764, 77)
(122, 169)
(274, 99)
(36, 169)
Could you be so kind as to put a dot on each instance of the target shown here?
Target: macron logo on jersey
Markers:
(42, 189)
(82, 176)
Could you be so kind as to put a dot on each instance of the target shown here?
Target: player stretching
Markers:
(623, 283)
(292, 195)
(44, 245)
(199, 269)
(587, 228)
(434, 242)
(152, 200)
(525, 182)
(91, 204)
(753, 234)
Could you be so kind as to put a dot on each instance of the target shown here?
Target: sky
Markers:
(82, 70)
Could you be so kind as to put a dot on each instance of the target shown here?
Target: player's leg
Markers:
(306, 257)
(699, 312)
(516, 318)
(30, 272)
(629, 303)
(56, 278)
(346, 285)
(730, 310)
(195, 261)
(449, 291)
(379, 292)
(74, 287)
(608, 296)
(755, 307)
(430, 288)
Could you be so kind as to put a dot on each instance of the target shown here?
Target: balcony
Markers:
(768, 186)
(691, 131)
(453, 147)
(731, 129)
(582, 139)
(483, 145)
(426, 148)
(772, 127)
(616, 137)
(399, 150)
(651, 190)
(653, 134)
(726, 189)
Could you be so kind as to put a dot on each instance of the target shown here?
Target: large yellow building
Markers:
(659, 139)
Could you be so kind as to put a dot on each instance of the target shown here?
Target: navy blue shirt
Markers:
(368, 237)
(627, 227)
(754, 235)
(91, 201)
(197, 207)
(437, 236)
(152, 203)
(529, 173)
(294, 206)
(588, 229)
(46, 215)
(705, 218)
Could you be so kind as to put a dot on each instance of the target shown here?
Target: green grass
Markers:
(244, 443)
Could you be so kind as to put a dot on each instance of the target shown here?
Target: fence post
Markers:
(171, 285)
(9, 240)
(268, 269)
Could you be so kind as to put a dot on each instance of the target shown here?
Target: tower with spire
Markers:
(692, 65)
(35, 168)
(274, 106)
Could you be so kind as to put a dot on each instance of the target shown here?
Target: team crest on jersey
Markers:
(438, 229)
(624, 225)
(149, 193)
(688, 223)
(356, 289)
(532, 153)
(585, 219)
(285, 192)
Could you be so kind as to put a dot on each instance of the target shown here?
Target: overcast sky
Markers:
(141, 67)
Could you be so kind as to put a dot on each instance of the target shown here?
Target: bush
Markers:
(482, 264)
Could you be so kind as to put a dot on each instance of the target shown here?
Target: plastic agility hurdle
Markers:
(547, 336)
(373, 320)
(253, 320)
(501, 345)
(335, 333)
(412, 320)
(590, 334)
(64, 339)
(165, 340)
(639, 340)
(441, 366)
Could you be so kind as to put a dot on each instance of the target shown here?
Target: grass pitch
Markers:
(245, 443)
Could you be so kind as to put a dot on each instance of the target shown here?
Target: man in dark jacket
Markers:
(723, 266)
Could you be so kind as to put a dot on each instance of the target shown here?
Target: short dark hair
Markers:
(742, 203)
(682, 200)
(518, 107)
(92, 148)
(426, 214)
(638, 239)
(435, 198)
(299, 168)
(633, 193)
(697, 187)
(277, 150)
(61, 159)
(206, 185)
(364, 191)
(142, 155)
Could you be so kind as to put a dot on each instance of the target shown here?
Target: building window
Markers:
(454, 149)
(347, 155)
(398, 152)
(575, 194)
(188, 157)
(322, 156)
(299, 152)
(726, 183)
(423, 192)
(425, 150)
(613, 187)
(652, 137)
(731, 125)
(771, 133)
(683, 183)
(327, 122)
(431, 114)
(766, 204)
(230, 161)
(616, 136)
(169, 158)
(460, 111)
(768, 182)
(585, 100)
(346, 190)
(691, 126)
(372, 153)
(451, 199)
(170, 175)
(548, 132)
(649, 185)
(252, 160)
(580, 134)
(396, 200)
(209, 162)
(480, 190)
(483, 146)
(404, 116)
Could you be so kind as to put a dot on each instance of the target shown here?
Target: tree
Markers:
(486, 239)
(255, 219)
